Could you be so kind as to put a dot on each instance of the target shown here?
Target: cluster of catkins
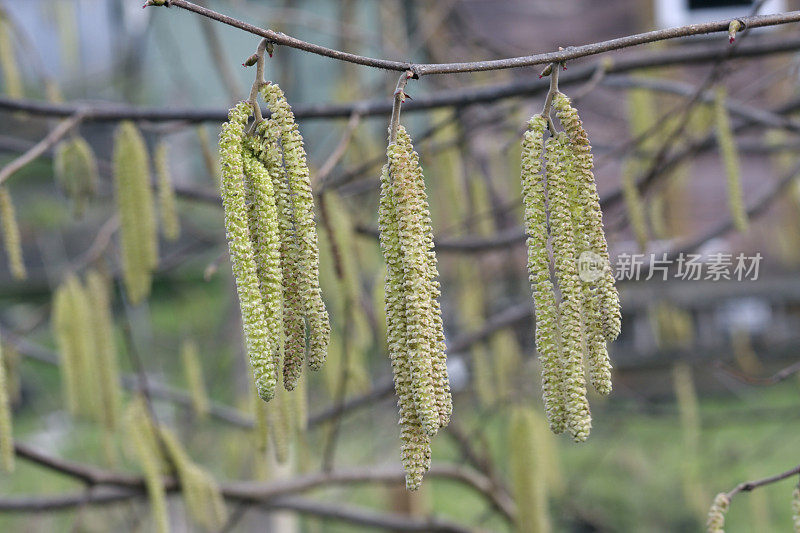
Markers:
(159, 452)
(562, 211)
(84, 331)
(269, 221)
(414, 323)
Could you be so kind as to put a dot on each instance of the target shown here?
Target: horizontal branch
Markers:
(421, 69)
(273, 494)
(108, 112)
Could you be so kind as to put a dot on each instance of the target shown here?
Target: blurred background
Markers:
(706, 392)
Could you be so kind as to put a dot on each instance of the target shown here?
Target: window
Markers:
(671, 13)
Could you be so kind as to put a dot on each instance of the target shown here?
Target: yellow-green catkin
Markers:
(689, 414)
(578, 418)
(548, 339)
(11, 238)
(134, 200)
(471, 305)
(193, 374)
(415, 448)
(527, 466)
(209, 158)
(423, 341)
(12, 80)
(167, 208)
(591, 216)
(256, 331)
(730, 158)
(294, 324)
(75, 170)
(265, 236)
(641, 111)
(65, 340)
(294, 158)
(74, 328)
(6, 431)
(796, 509)
(349, 281)
(107, 367)
(715, 523)
(200, 491)
(144, 439)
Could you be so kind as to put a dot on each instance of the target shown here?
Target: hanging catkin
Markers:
(548, 337)
(730, 158)
(294, 159)
(562, 209)
(578, 418)
(170, 224)
(256, 332)
(107, 368)
(527, 464)
(796, 509)
(641, 112)
(715, 523)
(75, 170)
(193, 374)
(294, 326)
(200, 491)
(134, 200)
(414, 326)
(8, 60)
(144, 438)
(6, 432)
(11, 238)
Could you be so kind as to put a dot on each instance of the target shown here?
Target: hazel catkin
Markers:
(6, 432)
(730, 158)
(11, 237)
(167, 208)
(294, 158)
(75, 170)
(256, 331)
(134, 200)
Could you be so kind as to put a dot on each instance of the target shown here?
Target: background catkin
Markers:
(641, 116)
(75, 170)
(8, 60)
(134, 199)
(193, 374)
(167, 208)
(145, 443)
(796, 509)
(200, 491)
(6, 431)
(294, 158)
(730, 158)
(527, 467)
(256, 331)
(11, 237)
(107, 367)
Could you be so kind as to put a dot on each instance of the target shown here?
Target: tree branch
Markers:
(560, 56)
(107, 112)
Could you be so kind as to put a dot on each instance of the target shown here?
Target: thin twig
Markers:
(399, 97)
(41, 147)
